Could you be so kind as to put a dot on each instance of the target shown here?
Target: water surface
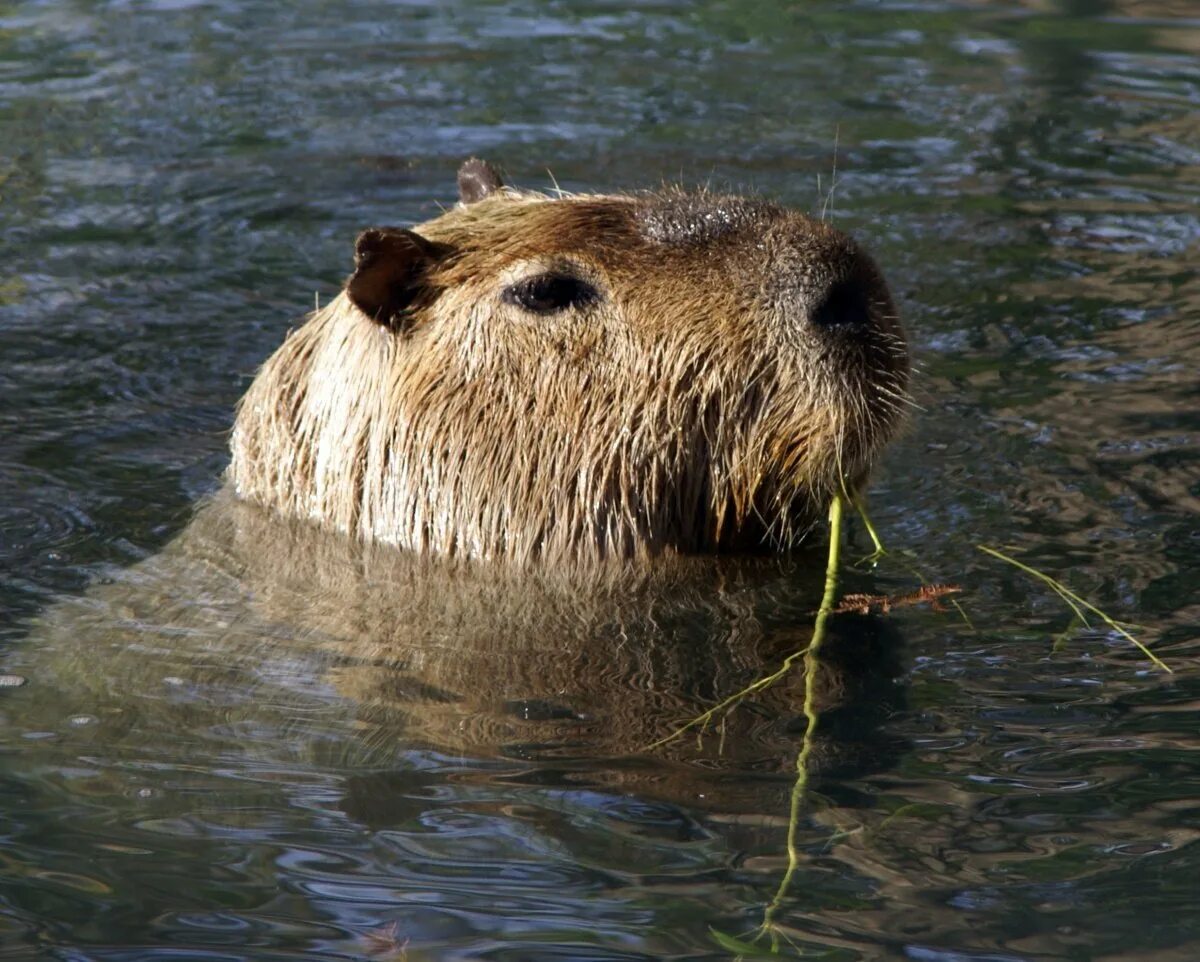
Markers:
(214, 776)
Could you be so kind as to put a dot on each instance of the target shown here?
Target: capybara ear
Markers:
(477, 179)
(390, 266)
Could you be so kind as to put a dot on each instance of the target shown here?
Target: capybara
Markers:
(581, 377)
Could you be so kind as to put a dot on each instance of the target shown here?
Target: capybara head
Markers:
(577, 377)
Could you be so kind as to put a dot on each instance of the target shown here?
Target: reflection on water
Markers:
(239, 739)
(482, 737)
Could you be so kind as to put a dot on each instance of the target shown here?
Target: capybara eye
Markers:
(550, 293)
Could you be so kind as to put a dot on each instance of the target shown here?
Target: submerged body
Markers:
(267, 642)
(591, 376)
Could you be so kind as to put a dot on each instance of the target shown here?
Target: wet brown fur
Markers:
(692, 409)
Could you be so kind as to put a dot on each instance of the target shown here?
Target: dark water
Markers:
(179, 180)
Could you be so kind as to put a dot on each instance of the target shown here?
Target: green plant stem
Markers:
(1077, 604)
(880, 550)
(800, 787)
(835, 538)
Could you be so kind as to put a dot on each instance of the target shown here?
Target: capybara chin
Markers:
(580, 377)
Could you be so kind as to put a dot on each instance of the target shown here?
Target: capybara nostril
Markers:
(844, 306)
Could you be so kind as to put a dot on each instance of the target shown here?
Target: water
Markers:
(207, 761)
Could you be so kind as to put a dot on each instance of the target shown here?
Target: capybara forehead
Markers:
(617, 232)
(679, 219)
(507, 228)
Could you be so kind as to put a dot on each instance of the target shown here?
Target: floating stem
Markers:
(1077, 604)
(880, 550)
(831, 567)
(812, 716)
(800, 787)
